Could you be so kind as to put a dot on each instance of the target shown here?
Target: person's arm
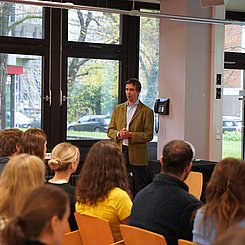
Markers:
(113, 133)
(125, 221)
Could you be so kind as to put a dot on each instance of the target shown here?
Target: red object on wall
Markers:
(15, 70)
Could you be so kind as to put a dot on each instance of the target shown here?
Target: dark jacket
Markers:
(165, 207)
(3, 161)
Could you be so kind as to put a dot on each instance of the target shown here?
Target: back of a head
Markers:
(233, 236)
(62, 155)
(177, 154)
(33, 142)
(9, 141)
(38, 208)
(21, 174)
(103, 169)
(225, 196)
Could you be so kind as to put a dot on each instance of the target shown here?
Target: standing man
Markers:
(165, 206)
(131, 127)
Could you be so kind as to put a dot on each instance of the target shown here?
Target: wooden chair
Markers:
(68, 228)
(137, 236)
(185, 242)
(72, 238)
(195, 183)
(94, 230)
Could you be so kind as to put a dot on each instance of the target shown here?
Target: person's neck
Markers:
(179, 176)
(64, 175)
(130, 103)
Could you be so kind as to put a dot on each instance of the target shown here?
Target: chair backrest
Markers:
(195, 183)
(185, 242)
(72, 238)
(94, 230)
(136, 236)
(68, 228)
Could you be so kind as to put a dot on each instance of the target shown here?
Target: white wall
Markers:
(185, 76)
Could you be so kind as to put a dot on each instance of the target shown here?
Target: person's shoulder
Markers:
(145, 106)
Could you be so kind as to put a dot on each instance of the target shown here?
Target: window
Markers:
(93, 27)
(234, 38)
(92, 94)
(20, 20)
(149, 58)
(20, 90)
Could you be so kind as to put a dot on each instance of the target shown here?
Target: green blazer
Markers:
(141, 126)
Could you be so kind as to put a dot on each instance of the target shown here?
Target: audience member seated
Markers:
(21, 175)
(102, 187)
(9, 145)
(33, 142)
(225, 201)
(165, 206)
(42, 219)
(64, 160)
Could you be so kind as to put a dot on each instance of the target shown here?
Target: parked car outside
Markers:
(232, 124)
(35, 122)
(21, 120)
(91, 123)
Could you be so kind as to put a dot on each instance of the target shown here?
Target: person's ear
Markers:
(54, 223)
(73, 166)
(188, 167)
(161, 160)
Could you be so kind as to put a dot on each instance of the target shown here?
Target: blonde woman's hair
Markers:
(63, 155)
(21, 175)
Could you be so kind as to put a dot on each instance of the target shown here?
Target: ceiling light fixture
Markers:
(133, 12)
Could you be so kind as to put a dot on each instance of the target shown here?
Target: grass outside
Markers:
(231, 149)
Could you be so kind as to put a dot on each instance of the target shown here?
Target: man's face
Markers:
(131, 93)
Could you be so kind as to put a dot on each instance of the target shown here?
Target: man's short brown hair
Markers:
(177, 154)
(9, 139)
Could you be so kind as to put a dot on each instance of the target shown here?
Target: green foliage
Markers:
(232, 136)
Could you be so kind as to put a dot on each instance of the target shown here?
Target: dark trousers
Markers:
(139, 176)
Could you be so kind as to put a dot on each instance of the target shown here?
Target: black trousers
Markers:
(139, 176)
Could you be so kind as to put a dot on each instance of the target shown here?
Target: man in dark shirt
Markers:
(165, 206)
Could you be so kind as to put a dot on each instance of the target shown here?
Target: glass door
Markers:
(233, 113)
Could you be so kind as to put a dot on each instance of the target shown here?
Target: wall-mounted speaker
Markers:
(210, 3)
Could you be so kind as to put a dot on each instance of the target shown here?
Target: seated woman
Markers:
(33, 142)
(42, 219)
(64, 160)
(102, 188)
(225, 201)
(21, 175)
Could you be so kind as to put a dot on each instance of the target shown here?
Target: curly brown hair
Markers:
(104, 169)
(225, 196)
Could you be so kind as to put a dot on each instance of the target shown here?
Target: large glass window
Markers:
(149, 61)
(92, 94)
(93, 27)
(20, 20)
(232, 113)
(20, 90)
(235, 38)
(149, 58)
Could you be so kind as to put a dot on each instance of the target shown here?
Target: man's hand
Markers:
(124, 134)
